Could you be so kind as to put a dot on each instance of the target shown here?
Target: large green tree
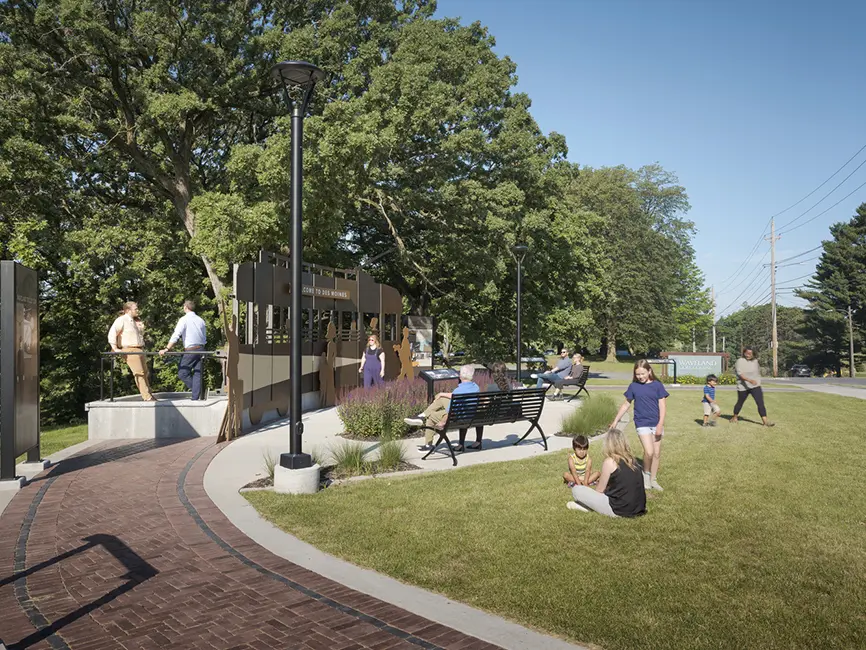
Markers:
(649, 270)
(753, 326)
(837, 289)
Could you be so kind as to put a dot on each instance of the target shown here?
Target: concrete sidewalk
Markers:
(243, 460)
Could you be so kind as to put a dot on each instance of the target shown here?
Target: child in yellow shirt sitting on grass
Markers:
(580, 464)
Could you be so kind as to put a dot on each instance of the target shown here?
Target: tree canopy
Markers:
(839, 284)
(144, 149)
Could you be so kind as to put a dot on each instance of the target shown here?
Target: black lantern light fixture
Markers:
(298, 79)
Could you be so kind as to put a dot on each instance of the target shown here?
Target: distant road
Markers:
(856, 382)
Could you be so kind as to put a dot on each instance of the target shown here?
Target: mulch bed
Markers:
(328, 475)
(413, 433)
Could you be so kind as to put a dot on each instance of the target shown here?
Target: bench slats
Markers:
(489, 408)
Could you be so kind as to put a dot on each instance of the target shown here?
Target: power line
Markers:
(811, 250)
(745, 278)
(758, 291)
(761, 272)
(764, 229)
(808, 275)
(821, 200)
(830, 208)
(808, 259)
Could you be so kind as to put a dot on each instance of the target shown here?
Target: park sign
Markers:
(19, 365)
(699, 364)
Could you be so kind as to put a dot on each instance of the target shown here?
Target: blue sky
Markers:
(752, 104)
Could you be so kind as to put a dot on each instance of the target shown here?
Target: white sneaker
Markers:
(534, 375)
(574, 505)
(414, 422)
(647, 483)
(655, 486)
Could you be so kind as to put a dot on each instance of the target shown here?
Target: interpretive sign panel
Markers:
(421, 333)
(19, 364)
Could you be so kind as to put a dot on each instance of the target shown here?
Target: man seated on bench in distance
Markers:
(436, 415)
(575, 373)
(557, 372)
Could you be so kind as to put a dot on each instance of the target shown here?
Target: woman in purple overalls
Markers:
(373, 362)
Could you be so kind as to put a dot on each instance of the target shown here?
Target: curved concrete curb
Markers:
(226, 475)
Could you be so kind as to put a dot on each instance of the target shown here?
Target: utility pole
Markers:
(713, 290)
(775, 338)
(694, 349)
(851, 371)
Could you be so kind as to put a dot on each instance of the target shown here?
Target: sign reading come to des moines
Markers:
(698, 364)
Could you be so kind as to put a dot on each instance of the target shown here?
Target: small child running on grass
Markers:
(580, 464)
(711, 406)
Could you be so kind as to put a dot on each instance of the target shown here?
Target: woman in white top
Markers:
(748, 372)
(126, 334)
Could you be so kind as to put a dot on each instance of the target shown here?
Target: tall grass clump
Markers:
(350, 459)
(392, 455)
(592, 417)
(317, 456)
(270, 460)
(378, 412)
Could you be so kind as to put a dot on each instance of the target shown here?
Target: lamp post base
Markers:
(296, 481)
(296, 461)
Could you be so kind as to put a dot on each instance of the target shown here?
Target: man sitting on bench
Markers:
(575, 373)
(557, 373)
(436, 415)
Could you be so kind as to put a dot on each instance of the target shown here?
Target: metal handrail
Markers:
(219, 354)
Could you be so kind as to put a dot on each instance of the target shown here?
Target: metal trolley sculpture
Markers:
(340, 308)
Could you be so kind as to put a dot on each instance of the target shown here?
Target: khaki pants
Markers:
(138, 365)
(433, 415)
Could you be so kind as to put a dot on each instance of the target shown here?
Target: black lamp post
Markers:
(298, 78)
(519, 252)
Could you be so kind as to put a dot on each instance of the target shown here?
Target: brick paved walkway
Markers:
(120, 547)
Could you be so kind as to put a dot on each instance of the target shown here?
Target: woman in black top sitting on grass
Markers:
(501, 382)
(620, 491)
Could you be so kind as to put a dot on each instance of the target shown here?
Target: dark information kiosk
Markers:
(432, 376)
(19, 366)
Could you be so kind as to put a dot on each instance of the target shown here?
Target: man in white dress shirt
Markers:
(190, 329)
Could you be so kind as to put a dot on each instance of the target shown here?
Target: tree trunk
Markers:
(181, 206)
(611, 342)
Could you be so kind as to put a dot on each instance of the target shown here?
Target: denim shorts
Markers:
(646, 431)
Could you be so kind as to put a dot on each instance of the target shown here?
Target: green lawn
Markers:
(759, 540)
(54, 439)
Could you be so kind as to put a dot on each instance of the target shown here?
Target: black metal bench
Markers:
(580, 382)
(482, 409)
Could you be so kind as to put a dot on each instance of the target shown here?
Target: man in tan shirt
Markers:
(126, 334)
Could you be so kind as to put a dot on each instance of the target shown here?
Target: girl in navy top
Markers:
(648, 395)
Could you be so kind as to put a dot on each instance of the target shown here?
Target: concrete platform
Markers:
(174, 415)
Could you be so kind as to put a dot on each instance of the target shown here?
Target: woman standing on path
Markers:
(373, 362)
(748, 372)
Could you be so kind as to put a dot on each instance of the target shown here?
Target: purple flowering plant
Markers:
(378, 411)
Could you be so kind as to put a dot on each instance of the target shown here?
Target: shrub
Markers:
(391, 455)
(378, 412)
(592, 417)
(270, 461)
(725, 379)
(350, 458)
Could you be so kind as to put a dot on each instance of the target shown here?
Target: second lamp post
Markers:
(519, 252)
